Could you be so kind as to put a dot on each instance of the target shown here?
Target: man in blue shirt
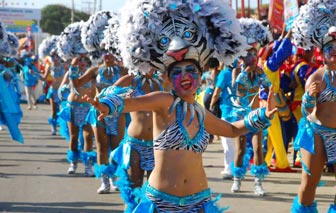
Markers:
(222, 93)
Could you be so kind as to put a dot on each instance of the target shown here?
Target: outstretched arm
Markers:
(114, 104)
(254, 121)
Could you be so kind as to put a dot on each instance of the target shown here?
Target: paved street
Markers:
(33, 178)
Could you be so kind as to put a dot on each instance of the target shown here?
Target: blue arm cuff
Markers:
(257, 120)
(308, 101)
(115, 104)
(73, 72)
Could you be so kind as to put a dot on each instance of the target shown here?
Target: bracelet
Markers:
(115, 104)
(73, 72)
(308, 101)
(257, 120)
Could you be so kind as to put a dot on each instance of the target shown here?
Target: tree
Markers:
(56, 17)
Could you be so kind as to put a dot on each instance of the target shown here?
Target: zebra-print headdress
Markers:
(69, 44)
(312, 24)
(48, 46)
(152, 31)
(254, 31)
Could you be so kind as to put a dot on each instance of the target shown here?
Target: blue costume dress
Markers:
(10, 110)
(56, 72)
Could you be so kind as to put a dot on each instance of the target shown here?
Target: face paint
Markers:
(329, 50)
(185, 78)
(251, 57)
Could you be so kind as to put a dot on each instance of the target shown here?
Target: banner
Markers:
(17, 20)
(275, 14)
(291, 11)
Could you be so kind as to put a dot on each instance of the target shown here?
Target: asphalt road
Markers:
(33, 178)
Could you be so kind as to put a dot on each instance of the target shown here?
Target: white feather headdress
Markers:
(254, 31)
(111, 41)
(69, 44)
(13, 42)
(3, 40)
(142, 20)
(313, 22)
(92, 32)
(47, 46)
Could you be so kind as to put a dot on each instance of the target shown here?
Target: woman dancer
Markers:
(10, 110)
(54, 68)
(180, 125)
(76, 111)
(110, 131)
(247, 84)
(316, 27)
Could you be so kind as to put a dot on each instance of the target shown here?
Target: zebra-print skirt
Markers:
(169, 203)
(329, 139)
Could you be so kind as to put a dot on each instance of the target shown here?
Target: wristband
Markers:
(115, 104)
(308, 101)
(257, 120)
(73, 72)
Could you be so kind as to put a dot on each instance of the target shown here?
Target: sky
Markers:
(84, 5)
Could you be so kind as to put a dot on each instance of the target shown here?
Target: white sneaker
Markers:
(88, 170)
(236, 185)
(258, 189)
(72, 168)
(105, 186)
(53, 130)
(113, 186)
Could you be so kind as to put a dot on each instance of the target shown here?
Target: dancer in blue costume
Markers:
(75, 112)
(10, 110)
(30, 79)
(134, 155)
(173, 37)
(315, 26)
(108, 133)
(247, 85)
(54, 68)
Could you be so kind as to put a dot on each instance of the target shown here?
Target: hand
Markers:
(271, 104)
(212, 108)
(289, 34)
(75, 61)
(314, 88)
(102, 108)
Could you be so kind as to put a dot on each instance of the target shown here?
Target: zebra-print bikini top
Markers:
(329, 92)
(176, 137)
